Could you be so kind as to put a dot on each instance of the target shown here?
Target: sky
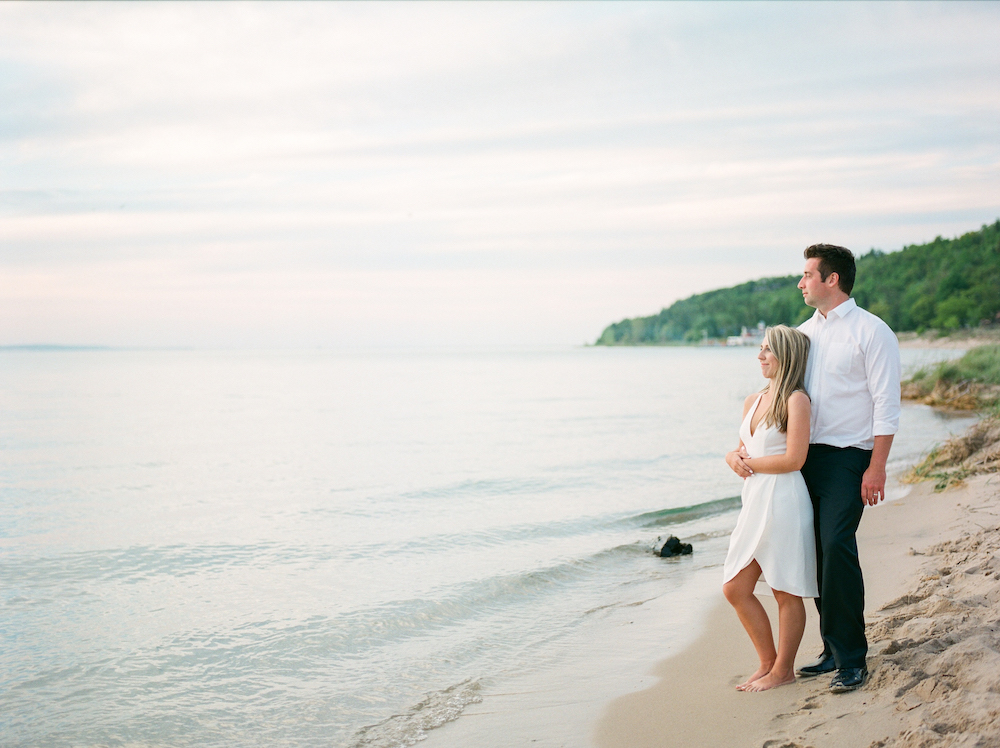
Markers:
(455, 174)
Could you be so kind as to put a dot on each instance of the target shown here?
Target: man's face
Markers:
(815, 291)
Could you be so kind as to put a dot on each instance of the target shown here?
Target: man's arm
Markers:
(883, 372)
(873, 481)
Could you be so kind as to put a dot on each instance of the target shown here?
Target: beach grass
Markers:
(971, 382)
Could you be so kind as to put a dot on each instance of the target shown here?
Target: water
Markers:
(233, 548)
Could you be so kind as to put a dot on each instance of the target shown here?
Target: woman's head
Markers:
(789, 351)
(783, 358)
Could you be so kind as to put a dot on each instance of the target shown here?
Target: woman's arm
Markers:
(736, 459)
(797, 436)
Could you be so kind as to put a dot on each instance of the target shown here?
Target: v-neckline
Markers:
(753, 431)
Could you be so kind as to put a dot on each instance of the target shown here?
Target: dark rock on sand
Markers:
(672, 546)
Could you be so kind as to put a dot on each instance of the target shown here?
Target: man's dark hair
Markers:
(834, 259)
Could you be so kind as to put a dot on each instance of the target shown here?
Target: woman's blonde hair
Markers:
(791, 348)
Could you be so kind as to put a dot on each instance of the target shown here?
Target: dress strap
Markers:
(751, 413)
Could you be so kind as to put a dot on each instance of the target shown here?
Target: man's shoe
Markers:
(848, 679)
(821, 666)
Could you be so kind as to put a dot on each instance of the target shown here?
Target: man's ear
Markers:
(833, 279)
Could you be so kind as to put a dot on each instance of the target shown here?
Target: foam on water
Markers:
(411, 727)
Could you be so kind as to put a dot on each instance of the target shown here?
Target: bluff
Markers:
(945, 284)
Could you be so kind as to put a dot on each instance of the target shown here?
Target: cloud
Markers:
(391, 161)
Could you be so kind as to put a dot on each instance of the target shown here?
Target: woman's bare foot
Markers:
(769, 681)
(761, 672)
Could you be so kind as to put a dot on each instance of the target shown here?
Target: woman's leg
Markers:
(739, 593)
(791, 624)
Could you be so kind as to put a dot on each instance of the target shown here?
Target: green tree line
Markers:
(945, 284)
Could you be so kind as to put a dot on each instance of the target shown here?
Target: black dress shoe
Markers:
(848, 679)
(824, 664)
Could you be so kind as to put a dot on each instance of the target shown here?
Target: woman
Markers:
(774, 537)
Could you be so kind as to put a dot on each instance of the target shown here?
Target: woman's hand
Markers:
(797, 441)
(737, 461)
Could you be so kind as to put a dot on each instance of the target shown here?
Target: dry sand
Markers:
(932, 571)
(959, 339)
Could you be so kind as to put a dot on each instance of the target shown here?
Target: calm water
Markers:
(226, 548)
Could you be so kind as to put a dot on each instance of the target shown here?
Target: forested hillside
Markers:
(945, 284)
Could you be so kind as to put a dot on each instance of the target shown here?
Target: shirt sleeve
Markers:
(883, 369)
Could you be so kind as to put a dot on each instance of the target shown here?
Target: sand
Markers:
(932, 571)
(959, 339)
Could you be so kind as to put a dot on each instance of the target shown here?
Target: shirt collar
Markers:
(840, 311)
(843, 309)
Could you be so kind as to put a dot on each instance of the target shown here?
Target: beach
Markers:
(930, 562)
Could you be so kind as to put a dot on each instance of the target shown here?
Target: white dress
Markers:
(775, 525)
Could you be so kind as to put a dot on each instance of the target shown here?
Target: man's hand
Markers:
(873, 481)
(735, 460)
(873, 485)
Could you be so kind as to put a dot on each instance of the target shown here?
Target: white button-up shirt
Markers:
(852, 377)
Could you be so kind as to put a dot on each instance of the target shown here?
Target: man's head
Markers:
(834, 259)
(828, 276)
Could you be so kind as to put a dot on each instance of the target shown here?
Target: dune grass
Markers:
(970, 382)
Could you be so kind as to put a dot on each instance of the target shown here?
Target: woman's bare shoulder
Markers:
(799, 399)
(749, 401)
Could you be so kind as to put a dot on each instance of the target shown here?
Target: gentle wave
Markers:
(377, 626)
(406, 729)
(681, 514)
(482, 487)
(373, 627)
(576, 526)
(139, 562)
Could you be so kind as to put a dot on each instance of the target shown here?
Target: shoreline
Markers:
(931, 340)
(929, 561)
(965, 339)
(617, 659)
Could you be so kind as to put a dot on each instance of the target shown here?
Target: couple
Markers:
(813, 448)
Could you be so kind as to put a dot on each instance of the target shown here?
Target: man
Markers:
(853, 380)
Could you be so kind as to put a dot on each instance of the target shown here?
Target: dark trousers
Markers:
(833, 476)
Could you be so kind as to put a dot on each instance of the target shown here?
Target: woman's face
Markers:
(768, 361)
